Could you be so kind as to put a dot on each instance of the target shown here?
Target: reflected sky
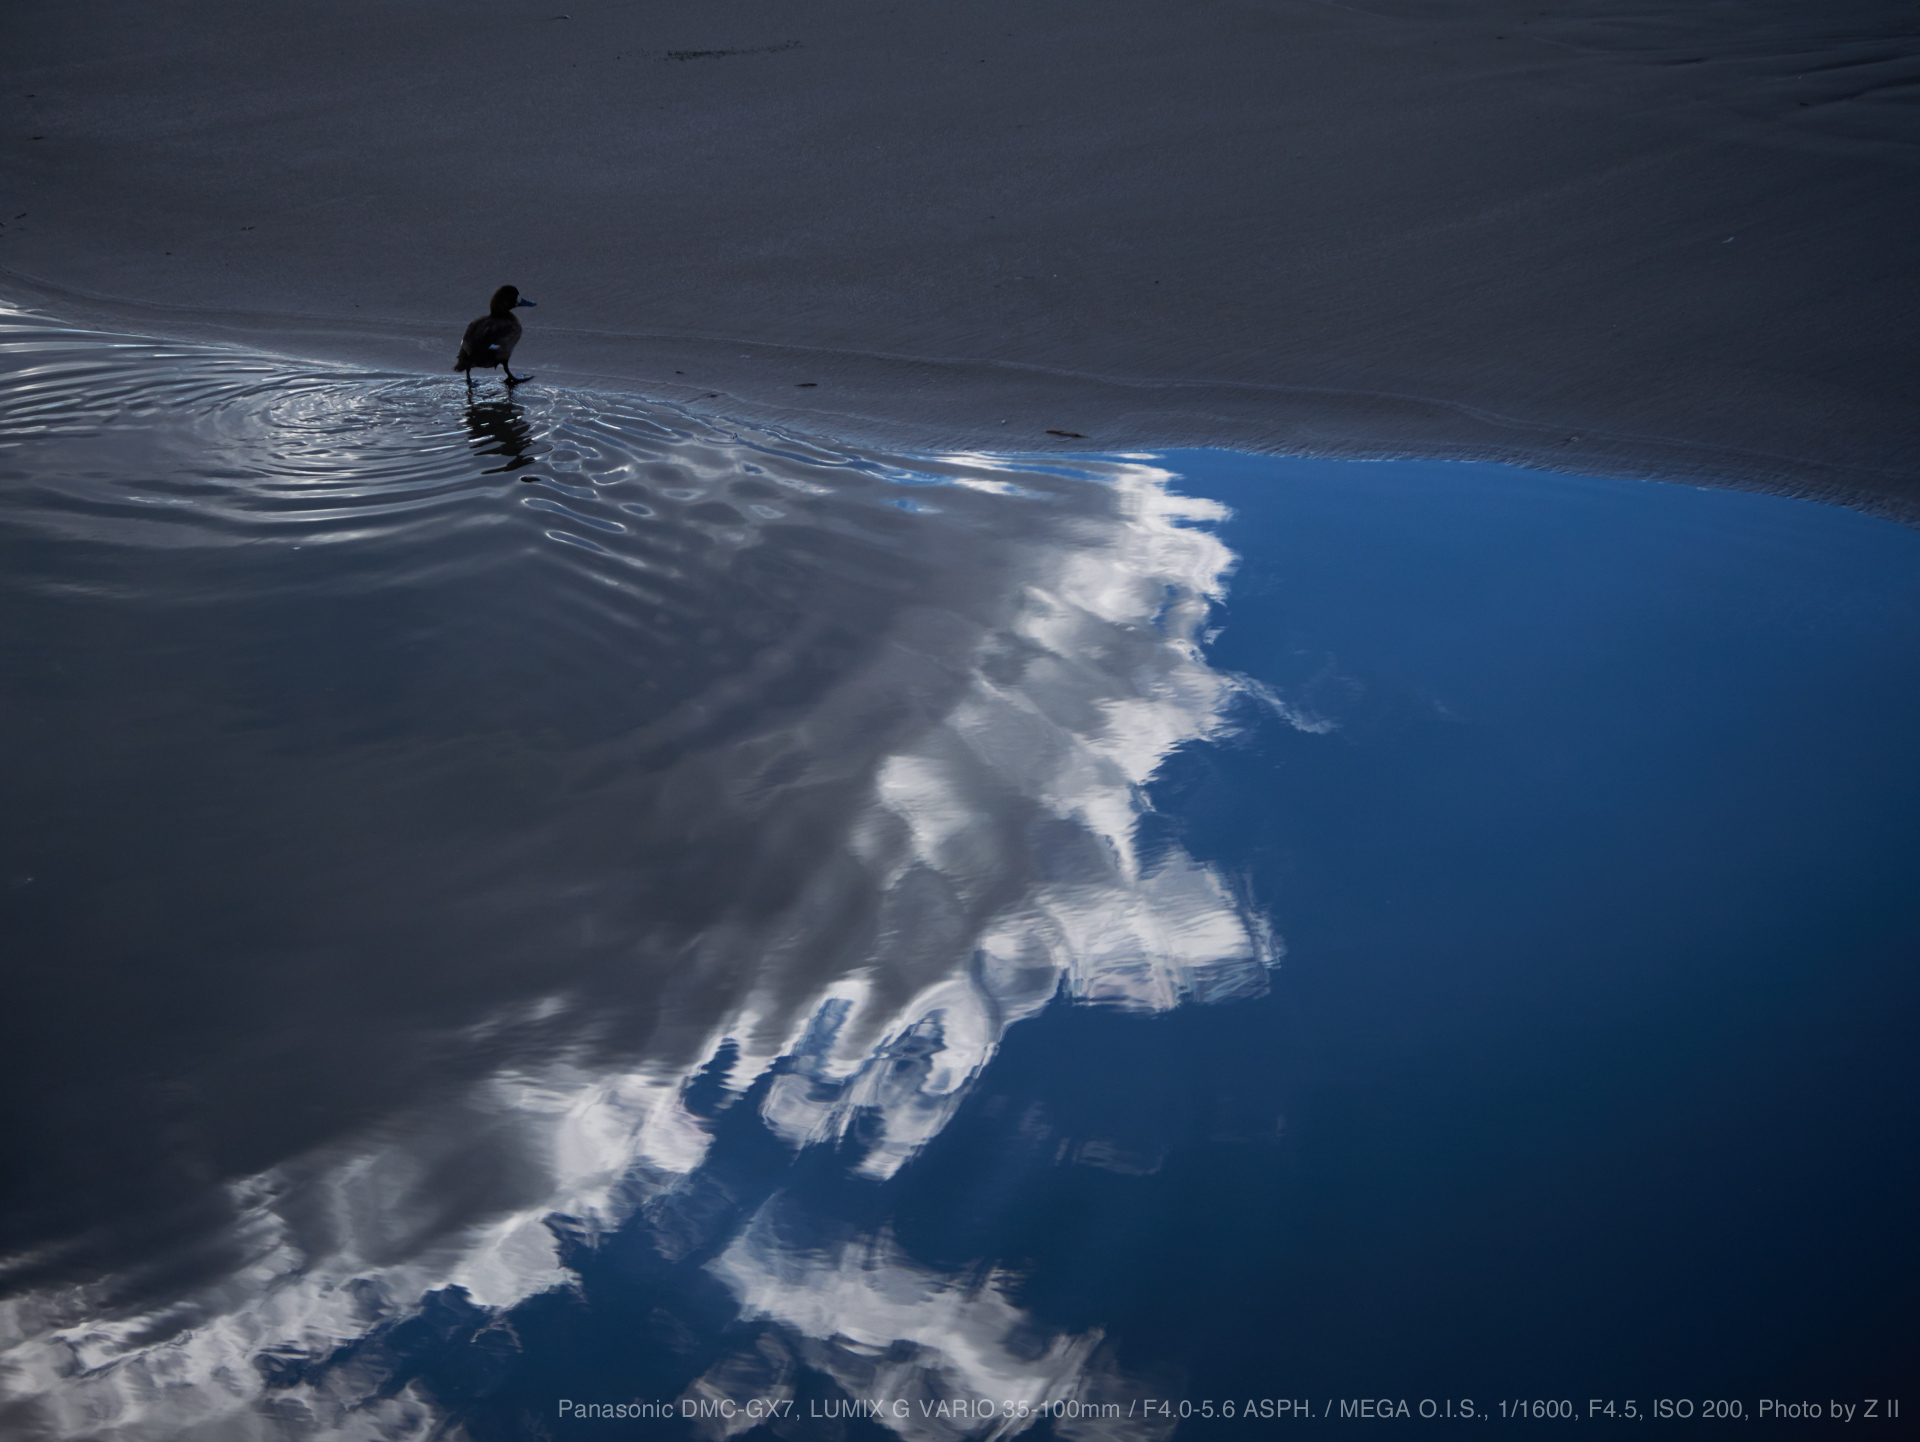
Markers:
(546, 900)
(421, 797)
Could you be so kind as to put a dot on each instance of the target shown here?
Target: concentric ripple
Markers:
(425, 791)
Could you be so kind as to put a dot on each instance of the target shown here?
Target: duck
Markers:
(490, 340)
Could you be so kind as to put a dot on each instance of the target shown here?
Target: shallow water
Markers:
(549, 900)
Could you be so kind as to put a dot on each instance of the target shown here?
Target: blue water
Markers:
(1597, 1023)
(972, 947)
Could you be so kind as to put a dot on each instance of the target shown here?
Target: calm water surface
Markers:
(542, 906)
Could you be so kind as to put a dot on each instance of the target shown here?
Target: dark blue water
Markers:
(1596, 1035)
(556, 919)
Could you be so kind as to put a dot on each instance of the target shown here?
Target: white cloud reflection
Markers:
(931, 1357)
(989, 844)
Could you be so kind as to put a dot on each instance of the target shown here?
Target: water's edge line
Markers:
(1883, 491)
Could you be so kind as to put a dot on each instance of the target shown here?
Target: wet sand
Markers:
(1639, 238)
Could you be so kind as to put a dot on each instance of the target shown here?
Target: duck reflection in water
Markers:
(499, 428)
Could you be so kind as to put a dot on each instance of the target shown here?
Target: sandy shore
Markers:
(1653, 238)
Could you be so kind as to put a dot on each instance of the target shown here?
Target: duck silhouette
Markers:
(490, 340)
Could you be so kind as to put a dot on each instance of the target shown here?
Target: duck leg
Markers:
(512, 379)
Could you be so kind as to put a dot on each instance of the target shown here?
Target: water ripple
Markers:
(437, 787)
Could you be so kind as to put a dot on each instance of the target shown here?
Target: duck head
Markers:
(505, 299)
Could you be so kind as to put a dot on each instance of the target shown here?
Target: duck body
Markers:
(490, 340)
